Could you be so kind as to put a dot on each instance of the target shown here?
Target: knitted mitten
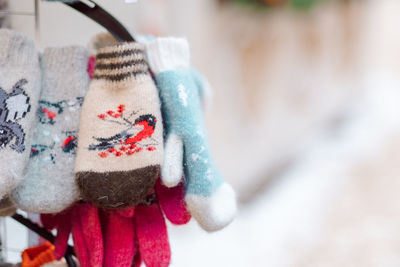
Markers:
(210, 200)
(49, 185)
(120, 137)
(19, 96)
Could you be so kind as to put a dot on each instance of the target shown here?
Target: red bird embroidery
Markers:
(125, 142)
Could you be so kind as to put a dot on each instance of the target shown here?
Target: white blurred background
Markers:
(304, 123)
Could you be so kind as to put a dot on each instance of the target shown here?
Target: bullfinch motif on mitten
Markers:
(120, 142)
(20, 81)
(49, 185)
(210, 200)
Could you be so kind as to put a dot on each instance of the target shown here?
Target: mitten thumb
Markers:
(172, 170)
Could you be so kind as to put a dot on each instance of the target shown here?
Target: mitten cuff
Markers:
(168, 53)
(17, 49)
(62, 59)
(121, 62)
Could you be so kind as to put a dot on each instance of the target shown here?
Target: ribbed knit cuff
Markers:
(168, 54)
(121, 62)
(17, 49)
(62, 59)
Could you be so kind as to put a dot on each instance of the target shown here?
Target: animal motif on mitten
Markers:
(120, 148)
(13, 107)
(49, 183)
(136, 135)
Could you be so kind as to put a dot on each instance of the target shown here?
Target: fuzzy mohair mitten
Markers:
(120, 144)
(20, 80)
(49, 185)
(210, 200)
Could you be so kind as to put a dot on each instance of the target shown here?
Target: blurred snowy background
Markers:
(304, 123)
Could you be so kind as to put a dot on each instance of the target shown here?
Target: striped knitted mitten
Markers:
(210, 200)
(120, 138)
(19, 97)
(49, 185)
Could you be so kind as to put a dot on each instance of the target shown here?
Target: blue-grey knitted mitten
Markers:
(49, 185)
(210, 200)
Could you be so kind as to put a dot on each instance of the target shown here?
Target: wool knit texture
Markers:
(38, 255)
(49, 184)
(119, 246)
(87, 235)
(20, 82)
(171, 201)
(120, 144)
(210, 200)
(152, 236)
(203, 87)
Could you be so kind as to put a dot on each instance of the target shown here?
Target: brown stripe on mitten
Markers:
(120, 138)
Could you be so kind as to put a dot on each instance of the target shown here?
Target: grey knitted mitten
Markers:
(20, 82)
(49, 185)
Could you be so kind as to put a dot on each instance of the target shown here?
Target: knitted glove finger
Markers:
(119, 236)
(152, 236)
(80, 246)
(172, 202)
(61, 241)
(172, 171)
(49, 221)
(92, 234)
